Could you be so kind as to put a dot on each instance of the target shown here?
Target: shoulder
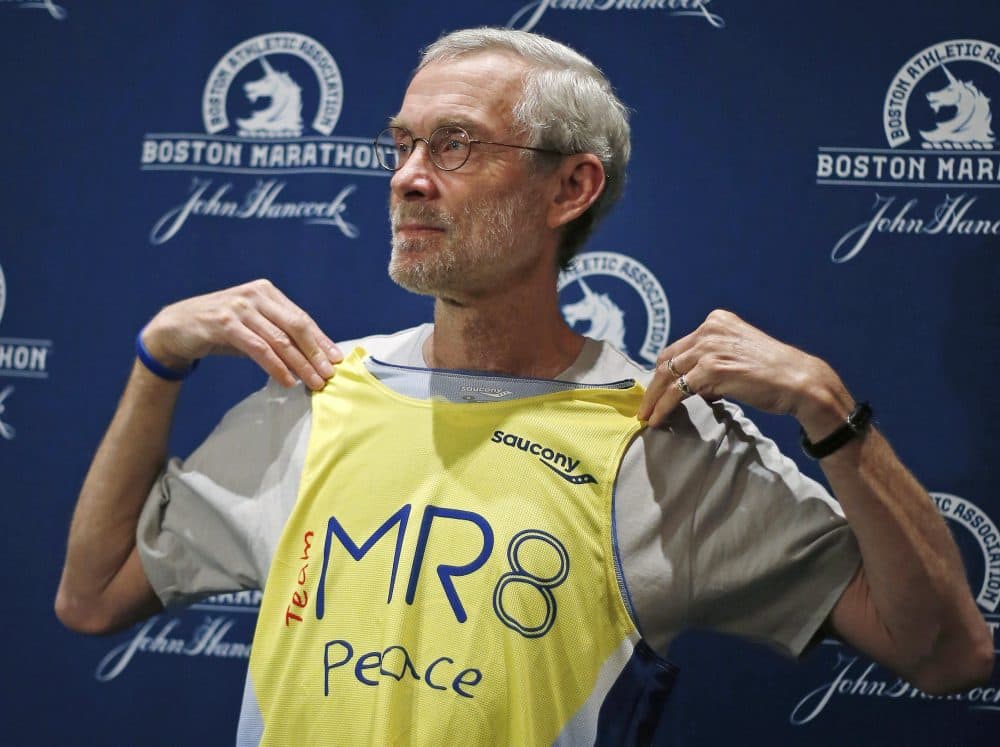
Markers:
(404, 347)
(600, 363)
(277, 410)
(700, 439)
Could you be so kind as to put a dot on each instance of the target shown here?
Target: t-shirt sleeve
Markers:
(211, 522)
(771, 552)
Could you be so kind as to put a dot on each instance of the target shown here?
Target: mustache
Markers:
(419, 213)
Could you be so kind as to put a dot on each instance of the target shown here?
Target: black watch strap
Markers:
(857, 422)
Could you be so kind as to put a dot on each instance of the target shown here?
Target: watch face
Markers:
(859, 417)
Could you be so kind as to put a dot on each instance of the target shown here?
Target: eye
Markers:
(450, 140)
(402, 143)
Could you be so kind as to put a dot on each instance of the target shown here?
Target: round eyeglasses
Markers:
(449, 147)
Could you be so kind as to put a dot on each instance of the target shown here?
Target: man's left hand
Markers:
(727, 357)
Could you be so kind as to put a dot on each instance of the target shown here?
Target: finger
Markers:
(661, 382)
(672, 355)
(333, 352)
(666, 404)
(288, 351)
(291, 317)
(677, 348)
(252, 345)
(303, 334)
(685, 362)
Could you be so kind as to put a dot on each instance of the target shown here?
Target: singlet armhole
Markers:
(643, 648)
(625, 596)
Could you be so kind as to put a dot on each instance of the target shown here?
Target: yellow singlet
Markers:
(447, 576)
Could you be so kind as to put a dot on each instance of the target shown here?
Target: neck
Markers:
(519, 332)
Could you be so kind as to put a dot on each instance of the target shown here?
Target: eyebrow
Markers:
(475, 129)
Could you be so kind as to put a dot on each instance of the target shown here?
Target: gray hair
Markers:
(566, 105)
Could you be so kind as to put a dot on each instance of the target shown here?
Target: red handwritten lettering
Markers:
(300, 597)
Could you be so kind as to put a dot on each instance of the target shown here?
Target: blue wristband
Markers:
(158, 369)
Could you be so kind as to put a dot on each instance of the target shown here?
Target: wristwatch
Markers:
(857, 422)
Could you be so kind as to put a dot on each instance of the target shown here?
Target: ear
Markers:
(578, 182)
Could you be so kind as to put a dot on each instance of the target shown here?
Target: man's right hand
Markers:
(256, 320)
(104, 586)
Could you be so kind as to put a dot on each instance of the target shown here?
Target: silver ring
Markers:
(683, 386)
(673, 371)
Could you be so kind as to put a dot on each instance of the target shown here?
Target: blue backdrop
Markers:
(798, 163)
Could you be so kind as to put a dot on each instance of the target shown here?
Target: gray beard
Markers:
(474, 245)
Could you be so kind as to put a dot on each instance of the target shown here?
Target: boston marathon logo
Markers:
(615, 298)
(529, 15)
(269, 108)
(982, 538)
(937, 120)
(561, 464)
(978, 539)
(20, 357)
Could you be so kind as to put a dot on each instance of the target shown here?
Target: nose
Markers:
(416, 179)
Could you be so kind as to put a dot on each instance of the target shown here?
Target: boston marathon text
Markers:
(24, 358)
(844, 168)
(230, 154)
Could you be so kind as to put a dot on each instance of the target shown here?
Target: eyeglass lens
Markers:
(449, 147)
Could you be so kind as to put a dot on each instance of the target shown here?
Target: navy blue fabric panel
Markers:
(635, 705)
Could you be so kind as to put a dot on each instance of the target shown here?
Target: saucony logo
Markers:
(494, 392)
(562, 464)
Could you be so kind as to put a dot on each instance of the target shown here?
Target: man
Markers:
(452, 556)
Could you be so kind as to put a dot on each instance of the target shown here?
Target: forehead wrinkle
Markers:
(443, 110)
(470, 126)
(471, 92)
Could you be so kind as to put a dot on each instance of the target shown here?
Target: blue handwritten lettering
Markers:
(427, 674)
(338, 653)
(361, 666)
(407, 664)
(399, 518)
(327, 666)
(447, 572)
(519, 575)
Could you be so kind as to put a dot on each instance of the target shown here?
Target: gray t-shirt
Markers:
(713, 527)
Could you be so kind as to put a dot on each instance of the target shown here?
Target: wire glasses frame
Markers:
(449, 147)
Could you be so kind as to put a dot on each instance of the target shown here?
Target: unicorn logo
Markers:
(969, 129)
(283, 116)
(607, 321)
(6, 430)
